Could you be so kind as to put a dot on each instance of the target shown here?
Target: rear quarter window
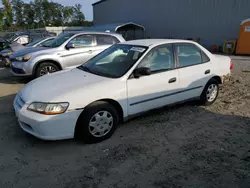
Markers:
(106, 40)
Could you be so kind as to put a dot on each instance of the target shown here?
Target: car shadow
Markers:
(7, 78)
(181, 143)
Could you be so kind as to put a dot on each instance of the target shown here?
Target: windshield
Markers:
(13, 38)
(34, 42)
(58, 41)
(115, 61)
(47, 43)
(8, 36)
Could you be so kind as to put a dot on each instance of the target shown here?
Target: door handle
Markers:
(172, 80)
(207, 71)
(90, 51)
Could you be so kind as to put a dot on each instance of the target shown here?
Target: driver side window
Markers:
(82, 41)
(159, 59)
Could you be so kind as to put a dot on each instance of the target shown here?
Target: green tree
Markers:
(39, 13)
(1, 18)
(78, 15)
(57, 16)
(7, 12)
(29, 14)
(68, 12)
(18, 6)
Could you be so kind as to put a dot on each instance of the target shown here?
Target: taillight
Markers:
(231, 65)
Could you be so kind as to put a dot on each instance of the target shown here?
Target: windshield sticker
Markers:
(137, 49)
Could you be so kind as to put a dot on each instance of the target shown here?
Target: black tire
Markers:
(82, 130)
(203, 98)
(42, 66)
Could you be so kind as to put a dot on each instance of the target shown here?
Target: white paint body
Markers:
(80, 89)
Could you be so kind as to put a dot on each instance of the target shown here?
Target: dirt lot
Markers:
(183, 146)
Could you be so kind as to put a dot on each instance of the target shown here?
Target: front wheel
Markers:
(210, 93)
(46, 68)
(97, 122)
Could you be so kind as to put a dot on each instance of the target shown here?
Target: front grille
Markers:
(17, 71)
(19, 102)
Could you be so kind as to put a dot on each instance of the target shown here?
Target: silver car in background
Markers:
(67, 51)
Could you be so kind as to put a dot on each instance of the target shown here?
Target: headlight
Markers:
(48, 108)
(24, 58)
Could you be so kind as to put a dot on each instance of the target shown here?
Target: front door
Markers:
(194, 69)
(158, 89)
(82, 52)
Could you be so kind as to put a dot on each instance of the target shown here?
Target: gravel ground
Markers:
(181, 146)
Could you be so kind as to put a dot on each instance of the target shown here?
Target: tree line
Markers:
(17, 14)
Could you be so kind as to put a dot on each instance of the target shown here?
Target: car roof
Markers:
(155, 42)
(93, 32)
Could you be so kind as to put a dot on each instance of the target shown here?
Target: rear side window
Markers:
(106, 40)
(205, 58)
(189, 54)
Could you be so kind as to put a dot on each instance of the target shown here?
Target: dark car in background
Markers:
(15, 46)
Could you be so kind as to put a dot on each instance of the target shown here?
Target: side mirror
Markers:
(142, 71)
(70, 46)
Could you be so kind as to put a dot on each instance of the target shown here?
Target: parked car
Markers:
(21, 38)
(3, 43)
(67, 51)
(26, 37)
(124, 80)
(14, 47)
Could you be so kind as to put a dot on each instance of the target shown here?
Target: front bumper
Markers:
(46, 127)
(20, 69)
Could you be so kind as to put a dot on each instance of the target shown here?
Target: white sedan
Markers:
(123, 81)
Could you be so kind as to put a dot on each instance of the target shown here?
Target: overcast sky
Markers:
(87, 6)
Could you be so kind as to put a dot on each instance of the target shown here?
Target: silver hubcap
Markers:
(100, 124)
(212, 92)
(47, 70)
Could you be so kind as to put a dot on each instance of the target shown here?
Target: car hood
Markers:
(26, 51)
(16, 46)
(54, 87)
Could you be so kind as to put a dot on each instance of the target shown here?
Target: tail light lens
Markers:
(231, 65)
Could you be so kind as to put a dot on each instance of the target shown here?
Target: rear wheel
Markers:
(46, 68)
(97, 122)
(210, 93)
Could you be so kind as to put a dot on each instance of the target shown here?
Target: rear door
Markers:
(83, 51)
(194, 69)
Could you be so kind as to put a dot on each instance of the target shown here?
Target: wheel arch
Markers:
(117, 106)
(48, 61)
(113, 102)
(217, 78)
